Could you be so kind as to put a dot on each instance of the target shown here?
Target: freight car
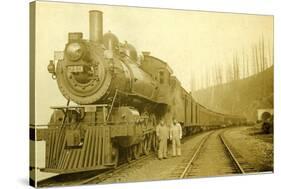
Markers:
(119, 100)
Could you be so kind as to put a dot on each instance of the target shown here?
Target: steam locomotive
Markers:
(120, 98)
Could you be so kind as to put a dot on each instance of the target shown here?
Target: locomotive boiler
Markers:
(91, 71)
(119, 97)
(115, 98)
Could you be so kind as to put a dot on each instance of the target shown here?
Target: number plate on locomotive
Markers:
(75, 68)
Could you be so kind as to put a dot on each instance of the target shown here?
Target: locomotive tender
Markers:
(120, 98)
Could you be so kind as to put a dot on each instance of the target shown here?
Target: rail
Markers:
(93, 179)
(195, 154)
(237, 164)
(198, 149)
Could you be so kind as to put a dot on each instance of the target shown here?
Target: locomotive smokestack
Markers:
(96, 26)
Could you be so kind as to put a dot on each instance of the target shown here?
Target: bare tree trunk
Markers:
(234, 70)
(207, 80)
(247, 63)
(237, 68)
(270, 55)
(220, 75)
(254, 64)
(257, 59)
(244, 65)
(229, 72)
(263, 55)
(213, 76)
(261, 58)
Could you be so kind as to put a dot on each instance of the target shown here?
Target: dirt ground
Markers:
(212, 159)
(253, 145)
(154, 169)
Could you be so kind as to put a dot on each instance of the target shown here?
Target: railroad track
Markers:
(103, 176)
(212, 149)
(242, 165)
(213, 156)
(92, 178)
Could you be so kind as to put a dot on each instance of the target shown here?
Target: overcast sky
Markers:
(189, 41)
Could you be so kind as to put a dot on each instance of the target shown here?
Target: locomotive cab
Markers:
(161, 73)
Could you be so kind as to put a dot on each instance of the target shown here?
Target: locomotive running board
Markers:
(78, 106)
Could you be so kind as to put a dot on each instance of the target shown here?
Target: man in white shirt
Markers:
(175, 136)
(162, 133)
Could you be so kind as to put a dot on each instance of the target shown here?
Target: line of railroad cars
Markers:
(120, 99)
(193, 116)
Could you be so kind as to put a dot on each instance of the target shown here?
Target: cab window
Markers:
(161, 77)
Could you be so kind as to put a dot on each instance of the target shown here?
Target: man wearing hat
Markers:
(175, 136)
(162, 133)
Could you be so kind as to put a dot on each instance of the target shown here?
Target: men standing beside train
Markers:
(175, 136)
(162, 133)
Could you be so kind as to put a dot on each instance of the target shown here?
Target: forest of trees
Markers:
(246, 62)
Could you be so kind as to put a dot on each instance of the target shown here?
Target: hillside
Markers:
(242, 97)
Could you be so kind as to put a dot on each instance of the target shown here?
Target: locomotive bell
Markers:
(110, 41)
(130, 51)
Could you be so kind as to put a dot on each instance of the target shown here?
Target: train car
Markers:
(119, 100)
